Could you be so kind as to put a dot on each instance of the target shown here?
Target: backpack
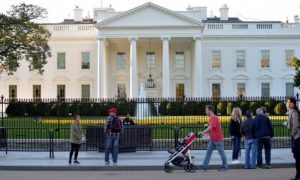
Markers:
(116, 125)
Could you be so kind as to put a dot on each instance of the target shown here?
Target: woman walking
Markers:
(76, 135)
(235, 133)
(293, 125)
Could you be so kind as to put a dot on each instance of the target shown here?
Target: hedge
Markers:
(165, 108)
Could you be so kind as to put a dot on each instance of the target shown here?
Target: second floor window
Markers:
(121, 60)
(61, 60)
(150, 60)
(265, 59)
(240, 59)
(215, 59)
(85, 60)
(179, 60)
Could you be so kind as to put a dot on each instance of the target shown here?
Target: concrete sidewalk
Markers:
(153, 160)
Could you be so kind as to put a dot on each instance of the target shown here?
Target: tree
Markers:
(22, 38)
(296, 65)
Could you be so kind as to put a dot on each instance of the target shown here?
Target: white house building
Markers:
(174, 53)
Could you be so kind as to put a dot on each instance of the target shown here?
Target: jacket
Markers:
(246, 128)
(262, 127)
(235, 127)
(293, 123)
(76, 133)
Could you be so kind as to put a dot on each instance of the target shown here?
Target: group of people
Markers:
(258, 133)
(112, 128)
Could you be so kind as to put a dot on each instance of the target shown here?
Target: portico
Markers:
(147, 40)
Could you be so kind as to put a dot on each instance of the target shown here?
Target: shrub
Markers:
(31, 109)
(174, 108)
(10, 110)
(229, 108)
(280, 109)
(253, 106)
(54, 109)
(200, 108)
(95, 109)
(84, 109)
(64, 109)
(244, 106)
(43, 109)
(162, 109)
(221, 108)
(74, 109)
(188, 108)
(270, 105)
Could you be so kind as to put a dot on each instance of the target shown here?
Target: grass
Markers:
(162, 126)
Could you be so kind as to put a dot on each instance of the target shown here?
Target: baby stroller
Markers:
(181, 155)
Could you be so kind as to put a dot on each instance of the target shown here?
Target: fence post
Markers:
(176, 131)
(297, 98)
(2, 104)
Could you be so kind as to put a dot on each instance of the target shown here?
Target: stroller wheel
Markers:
(168, 169)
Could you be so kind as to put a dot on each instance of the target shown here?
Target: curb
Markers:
(118, 168)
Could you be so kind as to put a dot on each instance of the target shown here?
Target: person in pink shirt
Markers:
(216, 140)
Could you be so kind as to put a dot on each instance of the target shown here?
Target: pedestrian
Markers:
(127, 120)
(216, 140)
(263, 133)
(235, 133)
(112, 130)
(250, 143)
(293, 125)
(76, 137)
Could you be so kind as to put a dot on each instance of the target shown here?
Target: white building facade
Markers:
(185, 53)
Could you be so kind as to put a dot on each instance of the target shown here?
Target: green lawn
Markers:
(32, 128)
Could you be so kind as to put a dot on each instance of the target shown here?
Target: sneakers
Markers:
(268, 167)
(107, 163)
(115, 164)
(235, 162)
(76, 162)
(70, 162)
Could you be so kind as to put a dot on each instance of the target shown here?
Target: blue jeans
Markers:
(210, 148)
(263, 143)
(114, 142)
(236, 147)
(250, 154)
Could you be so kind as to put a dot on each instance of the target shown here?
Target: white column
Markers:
(166, 67)
(133, 69)
(197, 84)
(101, 70)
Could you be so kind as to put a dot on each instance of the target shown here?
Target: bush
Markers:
(43, 109)
(270, 105)
(64, 109)
(244, 106)
(221, 108)
(200, 108)
(54, 109)
(280, 109)
(20, 109)
(229, 108)
(188, 108)
(174, 108)
(74, 109)
(84, 109)
(253, 107)
(162, 109)
(31, 109)
(95, 109)
(10, 110)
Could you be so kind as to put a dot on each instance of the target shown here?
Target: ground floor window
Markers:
(12, 91)
(61, 91)
(36, 91)
(241, 89)
(216, 90)
(121, 91)
(85, 91)
(265, 89)
(289, 89)
(180, 90)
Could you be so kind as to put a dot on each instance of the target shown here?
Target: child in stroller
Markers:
(180, 156)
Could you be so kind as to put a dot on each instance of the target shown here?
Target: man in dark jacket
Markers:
(263, 132)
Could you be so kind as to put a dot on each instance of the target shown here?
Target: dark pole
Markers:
(2, 119)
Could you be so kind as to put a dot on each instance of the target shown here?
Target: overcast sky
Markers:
(245, 9)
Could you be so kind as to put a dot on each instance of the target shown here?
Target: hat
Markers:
(113, 110)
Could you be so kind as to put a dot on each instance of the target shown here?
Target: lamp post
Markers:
(2, 119)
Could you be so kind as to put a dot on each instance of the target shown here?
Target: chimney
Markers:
(224, 13)
(78, 14)
(296, 19)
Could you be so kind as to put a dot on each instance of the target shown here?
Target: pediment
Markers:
(60, 78)
(288, 76)
(240, 77)
(148, 15)
(265, 77)
(216, 77)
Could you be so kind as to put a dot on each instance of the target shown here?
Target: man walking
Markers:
(112, 130)
(263, 132)
(216, 140)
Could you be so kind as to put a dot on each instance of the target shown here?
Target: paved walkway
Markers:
(127, 161)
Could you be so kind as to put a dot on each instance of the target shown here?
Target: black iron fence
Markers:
(43, 124)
